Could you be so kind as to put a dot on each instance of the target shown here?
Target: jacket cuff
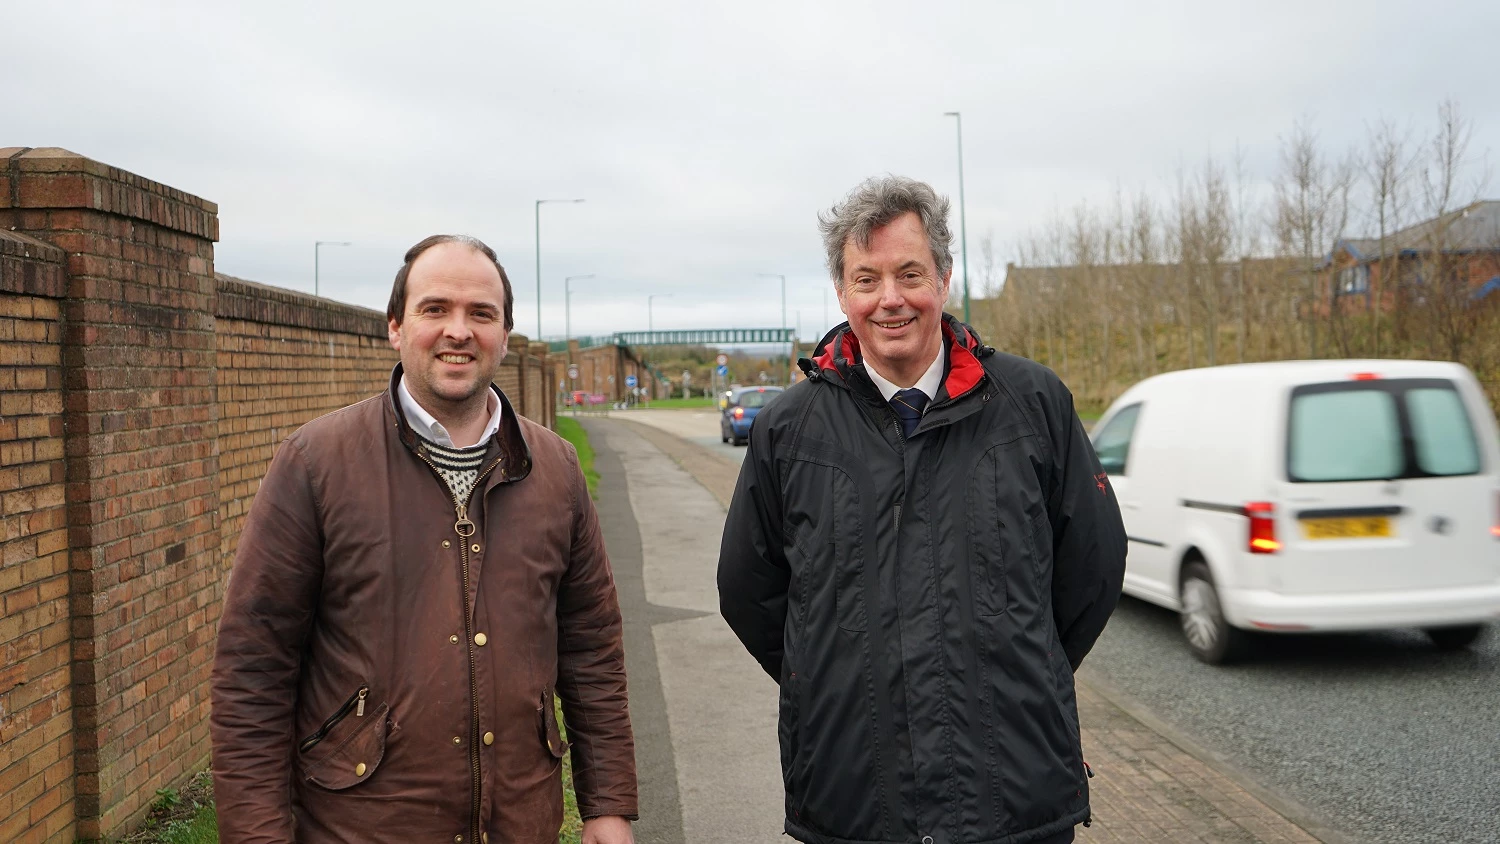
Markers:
(629, 811)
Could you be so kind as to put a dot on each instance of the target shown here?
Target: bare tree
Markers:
(1445, 293)
(1312, 208)
(989, 270)
(1387, 175)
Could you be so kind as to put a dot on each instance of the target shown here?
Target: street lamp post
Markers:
(568, 313)
(317, 260)
(963, 228)
(539, 203)
(790, 354)
(651, 327)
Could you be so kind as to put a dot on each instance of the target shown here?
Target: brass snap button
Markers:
(489, 739)
(453, 639)
(474, 547)
(359, 770)
(457, 740)
(446, 543)
(480, 639)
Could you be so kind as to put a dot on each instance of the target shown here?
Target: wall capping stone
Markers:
(240, 298)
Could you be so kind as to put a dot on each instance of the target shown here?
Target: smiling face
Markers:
(452, 333)
(893, 296)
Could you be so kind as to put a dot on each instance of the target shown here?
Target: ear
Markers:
(393, 331)
(947, 284)
(504, 346)
(838, 290)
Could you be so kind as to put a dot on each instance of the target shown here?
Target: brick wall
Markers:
(140, 464)
(596, 365)
(36, 742)
(141, 398)
(284, 358)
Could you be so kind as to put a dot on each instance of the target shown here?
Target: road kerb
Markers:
(1294, 812)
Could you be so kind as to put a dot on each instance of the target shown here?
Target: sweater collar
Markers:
(507, 443)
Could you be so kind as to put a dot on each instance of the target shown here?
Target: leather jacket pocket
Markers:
(349, 747)
(551, 732)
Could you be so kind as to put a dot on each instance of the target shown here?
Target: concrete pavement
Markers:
(720, 707)
(706, 713)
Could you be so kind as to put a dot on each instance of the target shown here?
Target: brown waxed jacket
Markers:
(386, 671)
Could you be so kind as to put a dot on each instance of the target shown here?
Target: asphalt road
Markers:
(1390, 739)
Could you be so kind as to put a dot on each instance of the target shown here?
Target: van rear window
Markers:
(1445, 442)
(1377, 430)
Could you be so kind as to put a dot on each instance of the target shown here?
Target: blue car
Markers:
(744, 403)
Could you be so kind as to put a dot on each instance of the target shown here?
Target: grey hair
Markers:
(877, 201)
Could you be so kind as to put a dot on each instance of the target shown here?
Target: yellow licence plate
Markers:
(1362, 527)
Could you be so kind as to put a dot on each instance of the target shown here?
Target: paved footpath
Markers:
(705, 713)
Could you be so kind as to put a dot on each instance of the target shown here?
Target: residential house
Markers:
(1457, 253)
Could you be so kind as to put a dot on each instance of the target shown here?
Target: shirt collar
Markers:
(428, 428)
(928, 383)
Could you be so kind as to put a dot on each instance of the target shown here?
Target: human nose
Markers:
(890, 294)
(456, 328)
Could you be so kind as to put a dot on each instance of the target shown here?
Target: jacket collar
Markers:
(838, 353)
(507, 444)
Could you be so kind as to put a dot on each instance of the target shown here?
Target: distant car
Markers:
(1307, 496)
(740, 411)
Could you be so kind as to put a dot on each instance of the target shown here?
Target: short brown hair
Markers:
(397, 307)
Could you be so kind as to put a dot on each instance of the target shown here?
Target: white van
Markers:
(1310, 496)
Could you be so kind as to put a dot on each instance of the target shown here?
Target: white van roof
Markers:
(1307, 371)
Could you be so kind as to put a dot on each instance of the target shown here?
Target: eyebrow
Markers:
(443, 300)
(865, 269)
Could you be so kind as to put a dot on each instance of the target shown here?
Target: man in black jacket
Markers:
(921, 549)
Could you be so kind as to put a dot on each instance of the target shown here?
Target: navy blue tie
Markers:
(909, 404)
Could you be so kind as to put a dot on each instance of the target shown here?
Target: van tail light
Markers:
(739, 413)
(1495, 528)
(1262, 515)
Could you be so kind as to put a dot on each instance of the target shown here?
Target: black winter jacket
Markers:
(923, 602)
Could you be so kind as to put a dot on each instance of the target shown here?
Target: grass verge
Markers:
(569, 429)
(185, 817)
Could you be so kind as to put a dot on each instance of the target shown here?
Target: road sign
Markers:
(721, 360)
(723, 370)
(573, 371)
(630, 380)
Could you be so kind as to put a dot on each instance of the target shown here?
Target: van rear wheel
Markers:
(1454, 638)
(1209, 635)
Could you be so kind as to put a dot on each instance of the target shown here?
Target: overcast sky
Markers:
(705, 137)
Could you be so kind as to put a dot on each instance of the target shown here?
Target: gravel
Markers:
(1386, 737)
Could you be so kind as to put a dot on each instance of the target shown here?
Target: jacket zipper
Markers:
(465, 529)
(356, 702)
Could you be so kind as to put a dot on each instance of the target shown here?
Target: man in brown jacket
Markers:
(420, 573)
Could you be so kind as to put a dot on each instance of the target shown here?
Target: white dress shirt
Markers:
(428, 428)
(928, 383)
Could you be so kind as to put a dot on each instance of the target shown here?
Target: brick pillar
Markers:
(547, 395)
(141, 423)
(36, 719)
